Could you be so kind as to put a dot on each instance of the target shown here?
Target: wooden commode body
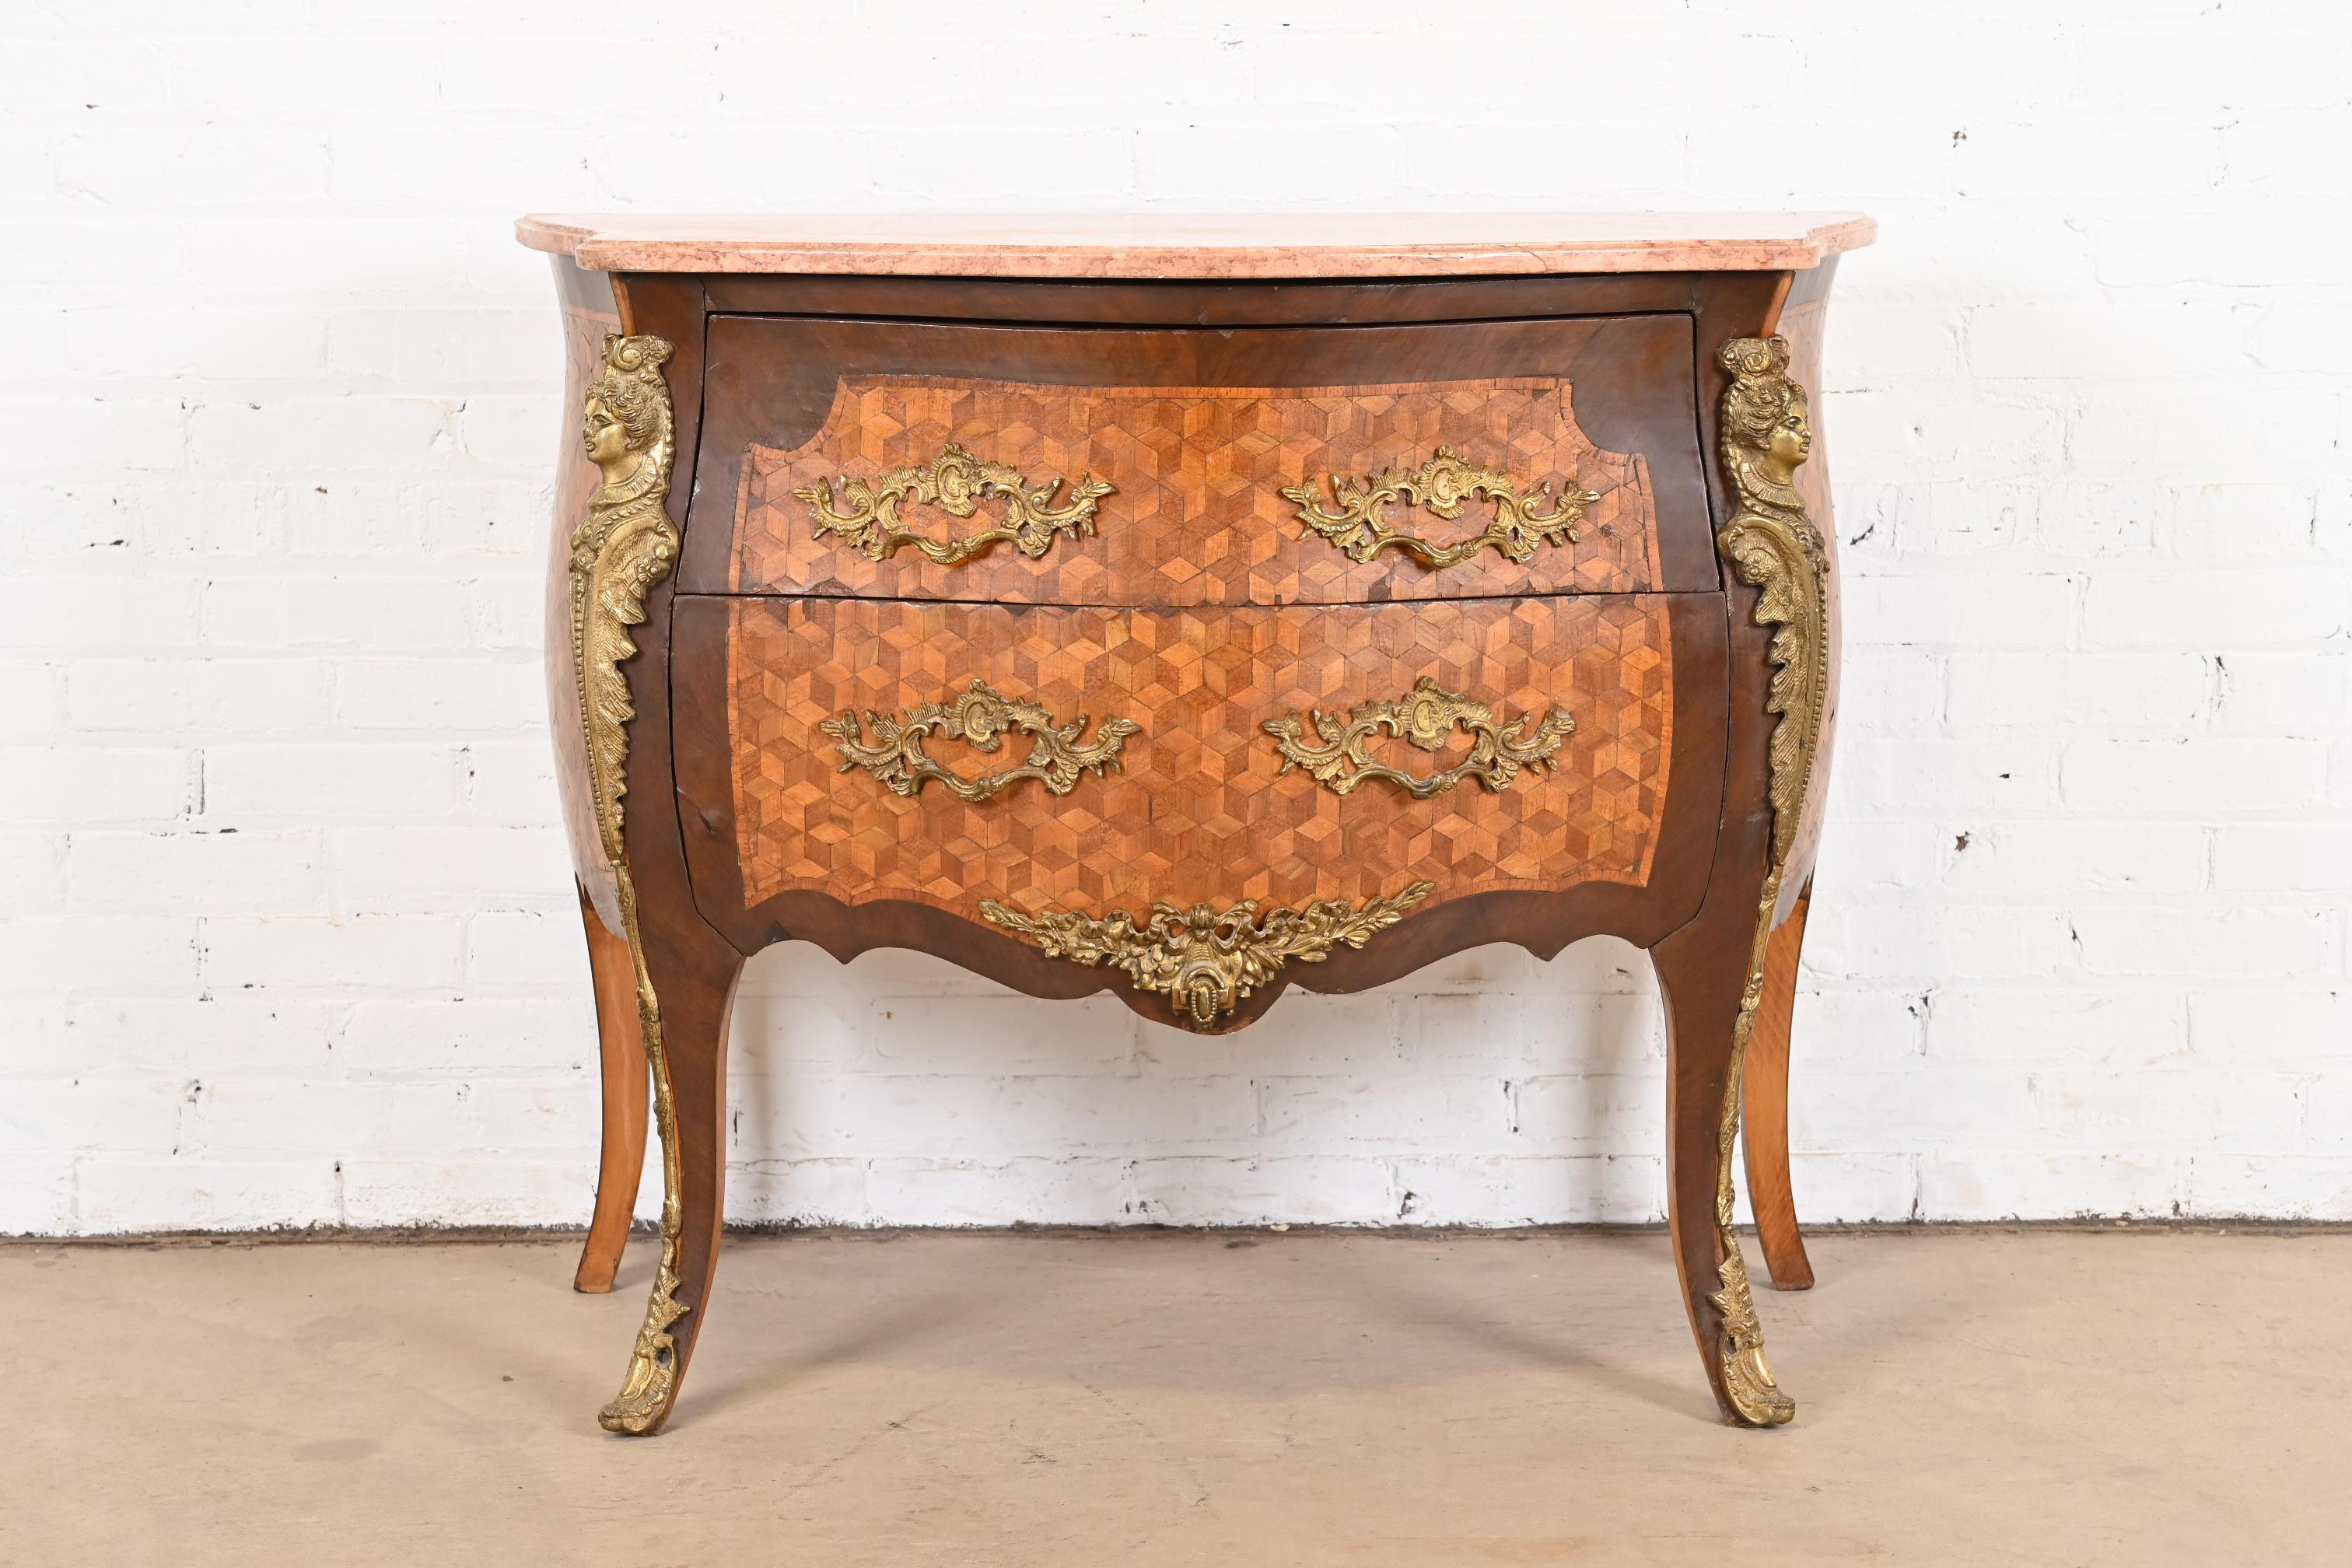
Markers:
(1188, 608)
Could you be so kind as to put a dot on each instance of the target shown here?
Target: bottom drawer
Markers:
(863, 763)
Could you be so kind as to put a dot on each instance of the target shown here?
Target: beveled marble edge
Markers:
(1203, 245)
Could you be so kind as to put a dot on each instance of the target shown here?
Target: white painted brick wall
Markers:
(292, 939)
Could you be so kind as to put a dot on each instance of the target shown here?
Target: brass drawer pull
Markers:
(1427, 718)
(956, 482)
(1442, 485)
(1204, 960)
(982, 716)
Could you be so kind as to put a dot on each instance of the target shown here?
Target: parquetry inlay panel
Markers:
(1196, 517)
(1200, 810)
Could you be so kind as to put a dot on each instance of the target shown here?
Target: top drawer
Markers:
(1108, 466)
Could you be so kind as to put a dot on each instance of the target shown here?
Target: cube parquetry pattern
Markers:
(1200, 810)
(1196, 517)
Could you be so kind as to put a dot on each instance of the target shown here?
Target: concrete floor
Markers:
(1963, 1396)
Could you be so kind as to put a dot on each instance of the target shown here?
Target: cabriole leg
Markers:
(1710, 973)
(1766, 1124)
(683, 973)
(622, 1048)
(693, 974)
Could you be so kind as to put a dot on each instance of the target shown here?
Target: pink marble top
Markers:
(1198, 244)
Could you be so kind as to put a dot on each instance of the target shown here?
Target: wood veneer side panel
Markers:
(1803, 320)
(1736, 305)
(588, 311)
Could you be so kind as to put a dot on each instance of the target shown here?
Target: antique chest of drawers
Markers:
(1192, 608)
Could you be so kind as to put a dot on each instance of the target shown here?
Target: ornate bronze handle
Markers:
(982, 716)
(1427, 718)
(956, 482)
(1205, 960)
(1523, 520)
